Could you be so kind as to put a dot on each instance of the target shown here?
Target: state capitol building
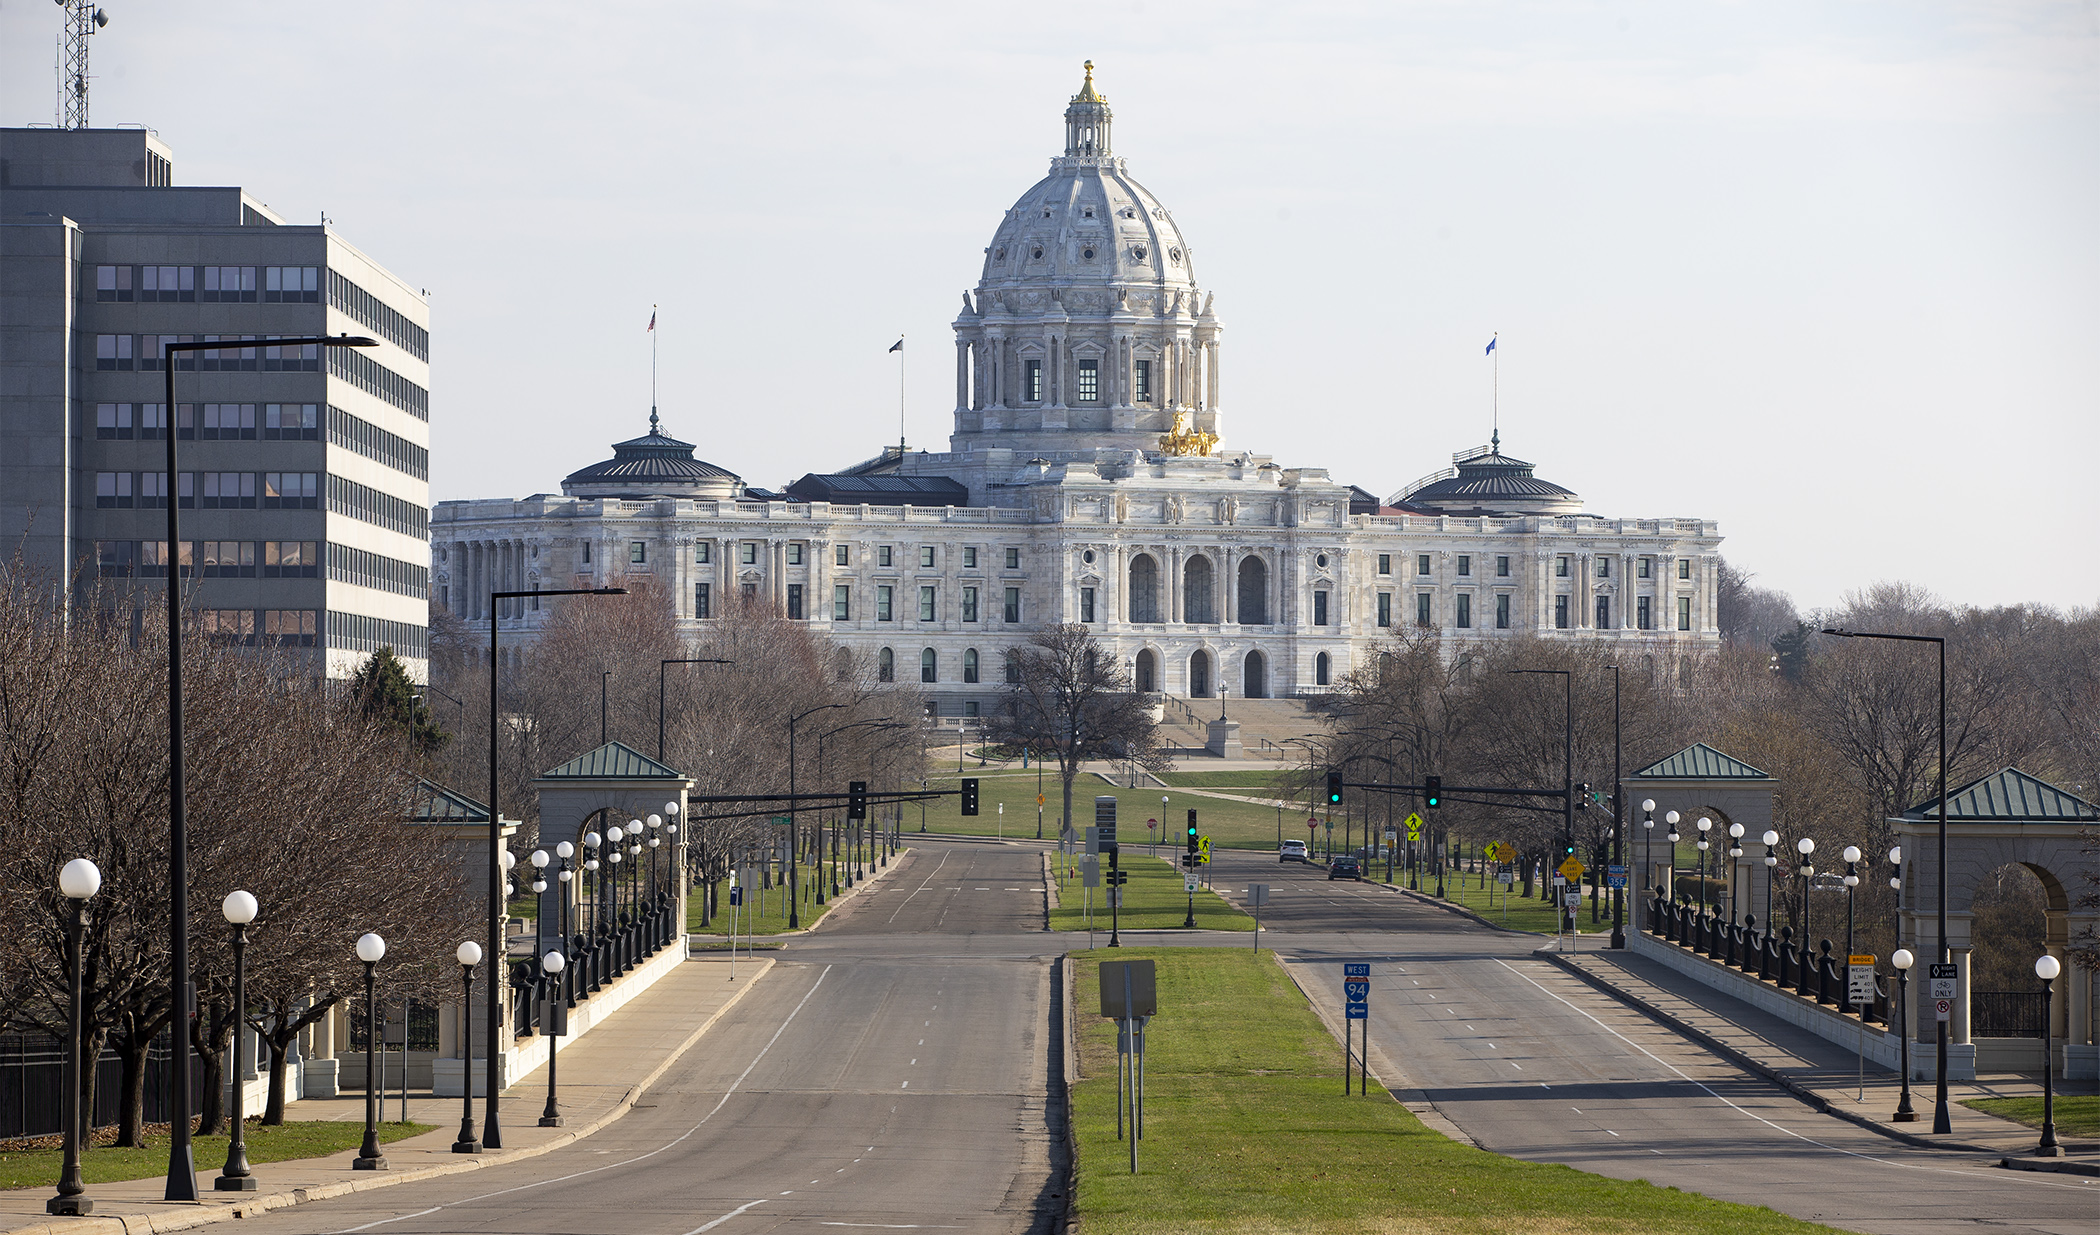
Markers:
(1089, 479)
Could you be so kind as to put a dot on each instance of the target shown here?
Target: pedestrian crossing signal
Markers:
(969, 795)
(1334, 788)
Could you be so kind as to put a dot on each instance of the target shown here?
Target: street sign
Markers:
(1560, 881)
(1506, 878)
(1039, 799)
(1572, 900)
(1356, 969)
(1942, 979)
(1090, 871)
(1257, 894)
(1093, 840)
(1330, 825)
(1138, 977)
(1312, 825)
(1943, 1009)
(1188, 883)
(1358, 1011)
(1859, 979)
(736, 896)
(1203, 851)
(1414, 827)
(1390, 834)
(1357, 989)
(1572, 869)
(1615, 877)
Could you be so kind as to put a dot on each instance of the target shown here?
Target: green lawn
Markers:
(1260, 778)
(765, 910)
(1247, 1132)
(309, 1139)
(1153, 900)
(2075, 1116)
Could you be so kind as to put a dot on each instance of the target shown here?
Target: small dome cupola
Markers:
(1087, 122)
(1485, 480)
(653, 465)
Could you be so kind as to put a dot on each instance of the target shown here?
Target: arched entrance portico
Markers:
(1145, 673)
(1199, 675)
(1256, 677)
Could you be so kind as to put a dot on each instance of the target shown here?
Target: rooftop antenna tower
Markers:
(83, 18)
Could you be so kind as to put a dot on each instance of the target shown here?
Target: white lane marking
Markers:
(896, 1226)
(1937, 1170)
(922, 1041)
(905, 1085)
(383, 1221)
(1612, 1133)
(914, 1063)
(921, 888)
(670, 1144)
(726, 1217)
(1514, 1064)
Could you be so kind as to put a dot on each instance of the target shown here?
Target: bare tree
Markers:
(1069, 698)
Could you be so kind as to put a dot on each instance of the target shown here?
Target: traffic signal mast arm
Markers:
(1450, 789)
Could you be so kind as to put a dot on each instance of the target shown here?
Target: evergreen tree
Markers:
(383, 690)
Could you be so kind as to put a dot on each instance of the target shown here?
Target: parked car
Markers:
(1345, 868)
(1291, 851)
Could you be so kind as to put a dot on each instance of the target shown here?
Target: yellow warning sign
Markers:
(1414, 827)
(1039, 799)
(1500, 851)
(1572, 869)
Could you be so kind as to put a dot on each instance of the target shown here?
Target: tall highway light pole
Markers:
(182, 1164)
(1941, 1122)
(491, 1128)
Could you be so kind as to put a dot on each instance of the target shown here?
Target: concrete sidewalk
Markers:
(1816, 1069)
(601, 1076)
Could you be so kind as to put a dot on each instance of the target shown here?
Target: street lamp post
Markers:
(1771, 842)
(1851, 856)
(552, 964)
(468, 955)
(795, 817)
(240, 909)
(2046, 968)
(1705, 897)
(1807, 849)
(182, 1163)
(1735, 853)
(1902, 960)
(491, 1125)
(370, 949)
(78, 880)
(1647, 861)
(1670, 891)
(1942, 1121)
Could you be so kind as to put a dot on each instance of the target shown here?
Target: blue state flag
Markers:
(1491, 347)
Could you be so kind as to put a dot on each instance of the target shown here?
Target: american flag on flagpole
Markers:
(652, 321)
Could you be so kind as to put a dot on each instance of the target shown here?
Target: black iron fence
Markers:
(595, 959)
(1810, 969)
(2008, 1014)
(422, 1027)
(32, 1084)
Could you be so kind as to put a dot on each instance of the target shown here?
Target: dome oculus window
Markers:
(1087, 254)
(1087, 557)
(1000, 255)
(1036, 253)
(1320, 560)
(1174, 255)
(1138, 253)
(1089, 212)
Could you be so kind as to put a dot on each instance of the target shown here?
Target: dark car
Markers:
(1345, 868)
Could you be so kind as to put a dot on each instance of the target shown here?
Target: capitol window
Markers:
(1422, 609)
(1465, 566)
(882, 603)
(1013, 604)
(637, 552)
(1684, 568)
(1646, 568)
(969, 559)
(1604, 613)
(882, 556)
(1465, 611)
(1086, 604)
(795, 553)
(1319, 608)
(1603, 567)
(1560, 568)
(750, 553)
(926, 604)
(1089, 381)
(1421, 563)
(1013, 559)
(1560, 613)
(885, 666)
(1502, 568)
(842, 555)
(1502, 611)
(1144, 381)
(969, 604)
(1684, 613)
(1032, 382)
(925, 557)
(929, 666)
(1385, 563)
(1644, 617)
(701, 554)
(841, 603)
(1385, 608)
(969, 664)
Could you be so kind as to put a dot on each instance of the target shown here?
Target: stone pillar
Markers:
(962, 374)
(1958, 1027)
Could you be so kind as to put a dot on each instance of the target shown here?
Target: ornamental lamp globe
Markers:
(79, 879)
(468, 954)
(2047, 968)
(371, 949)
(239, 907)
(1851, 853)
(1902, 959)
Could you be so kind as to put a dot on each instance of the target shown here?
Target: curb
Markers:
(1461, 910)
(156, 1221)
(1810, 1097)
(2050, 1167)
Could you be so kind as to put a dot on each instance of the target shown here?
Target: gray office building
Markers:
(304, 471)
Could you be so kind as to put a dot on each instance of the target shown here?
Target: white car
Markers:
(1291, 851)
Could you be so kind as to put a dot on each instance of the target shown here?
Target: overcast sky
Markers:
(1826, 272)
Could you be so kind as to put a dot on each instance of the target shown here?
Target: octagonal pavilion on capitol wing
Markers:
(1088, 479)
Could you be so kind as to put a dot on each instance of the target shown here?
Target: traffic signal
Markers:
(1334, 788)
(1433, 791)
(1570, 849)
(1582, 795)
(1192, 830)
(857, 799)
(969, 795)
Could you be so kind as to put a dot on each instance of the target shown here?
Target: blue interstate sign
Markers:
(1356, 992)
(1359, 969)
(1359, 1011)
(1615, 877)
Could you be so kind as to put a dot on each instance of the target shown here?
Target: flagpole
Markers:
(900, 395)
(1495, 405)
(652, 367)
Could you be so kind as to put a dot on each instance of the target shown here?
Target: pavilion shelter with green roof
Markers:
(1700, 782)
(2006, 818)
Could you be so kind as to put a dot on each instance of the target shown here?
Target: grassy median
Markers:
(1154, 899)
(1246, 1131)
(2076, 1115)
(765, 910)
(39, 1168)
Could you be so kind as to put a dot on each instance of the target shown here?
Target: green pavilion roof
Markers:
(1700, 762)
(2010, 796)
(613, 761)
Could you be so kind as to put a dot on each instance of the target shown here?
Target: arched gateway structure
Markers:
(2003, 819)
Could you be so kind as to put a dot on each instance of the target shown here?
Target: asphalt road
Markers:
(1531, 1062)
(889, 1073)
